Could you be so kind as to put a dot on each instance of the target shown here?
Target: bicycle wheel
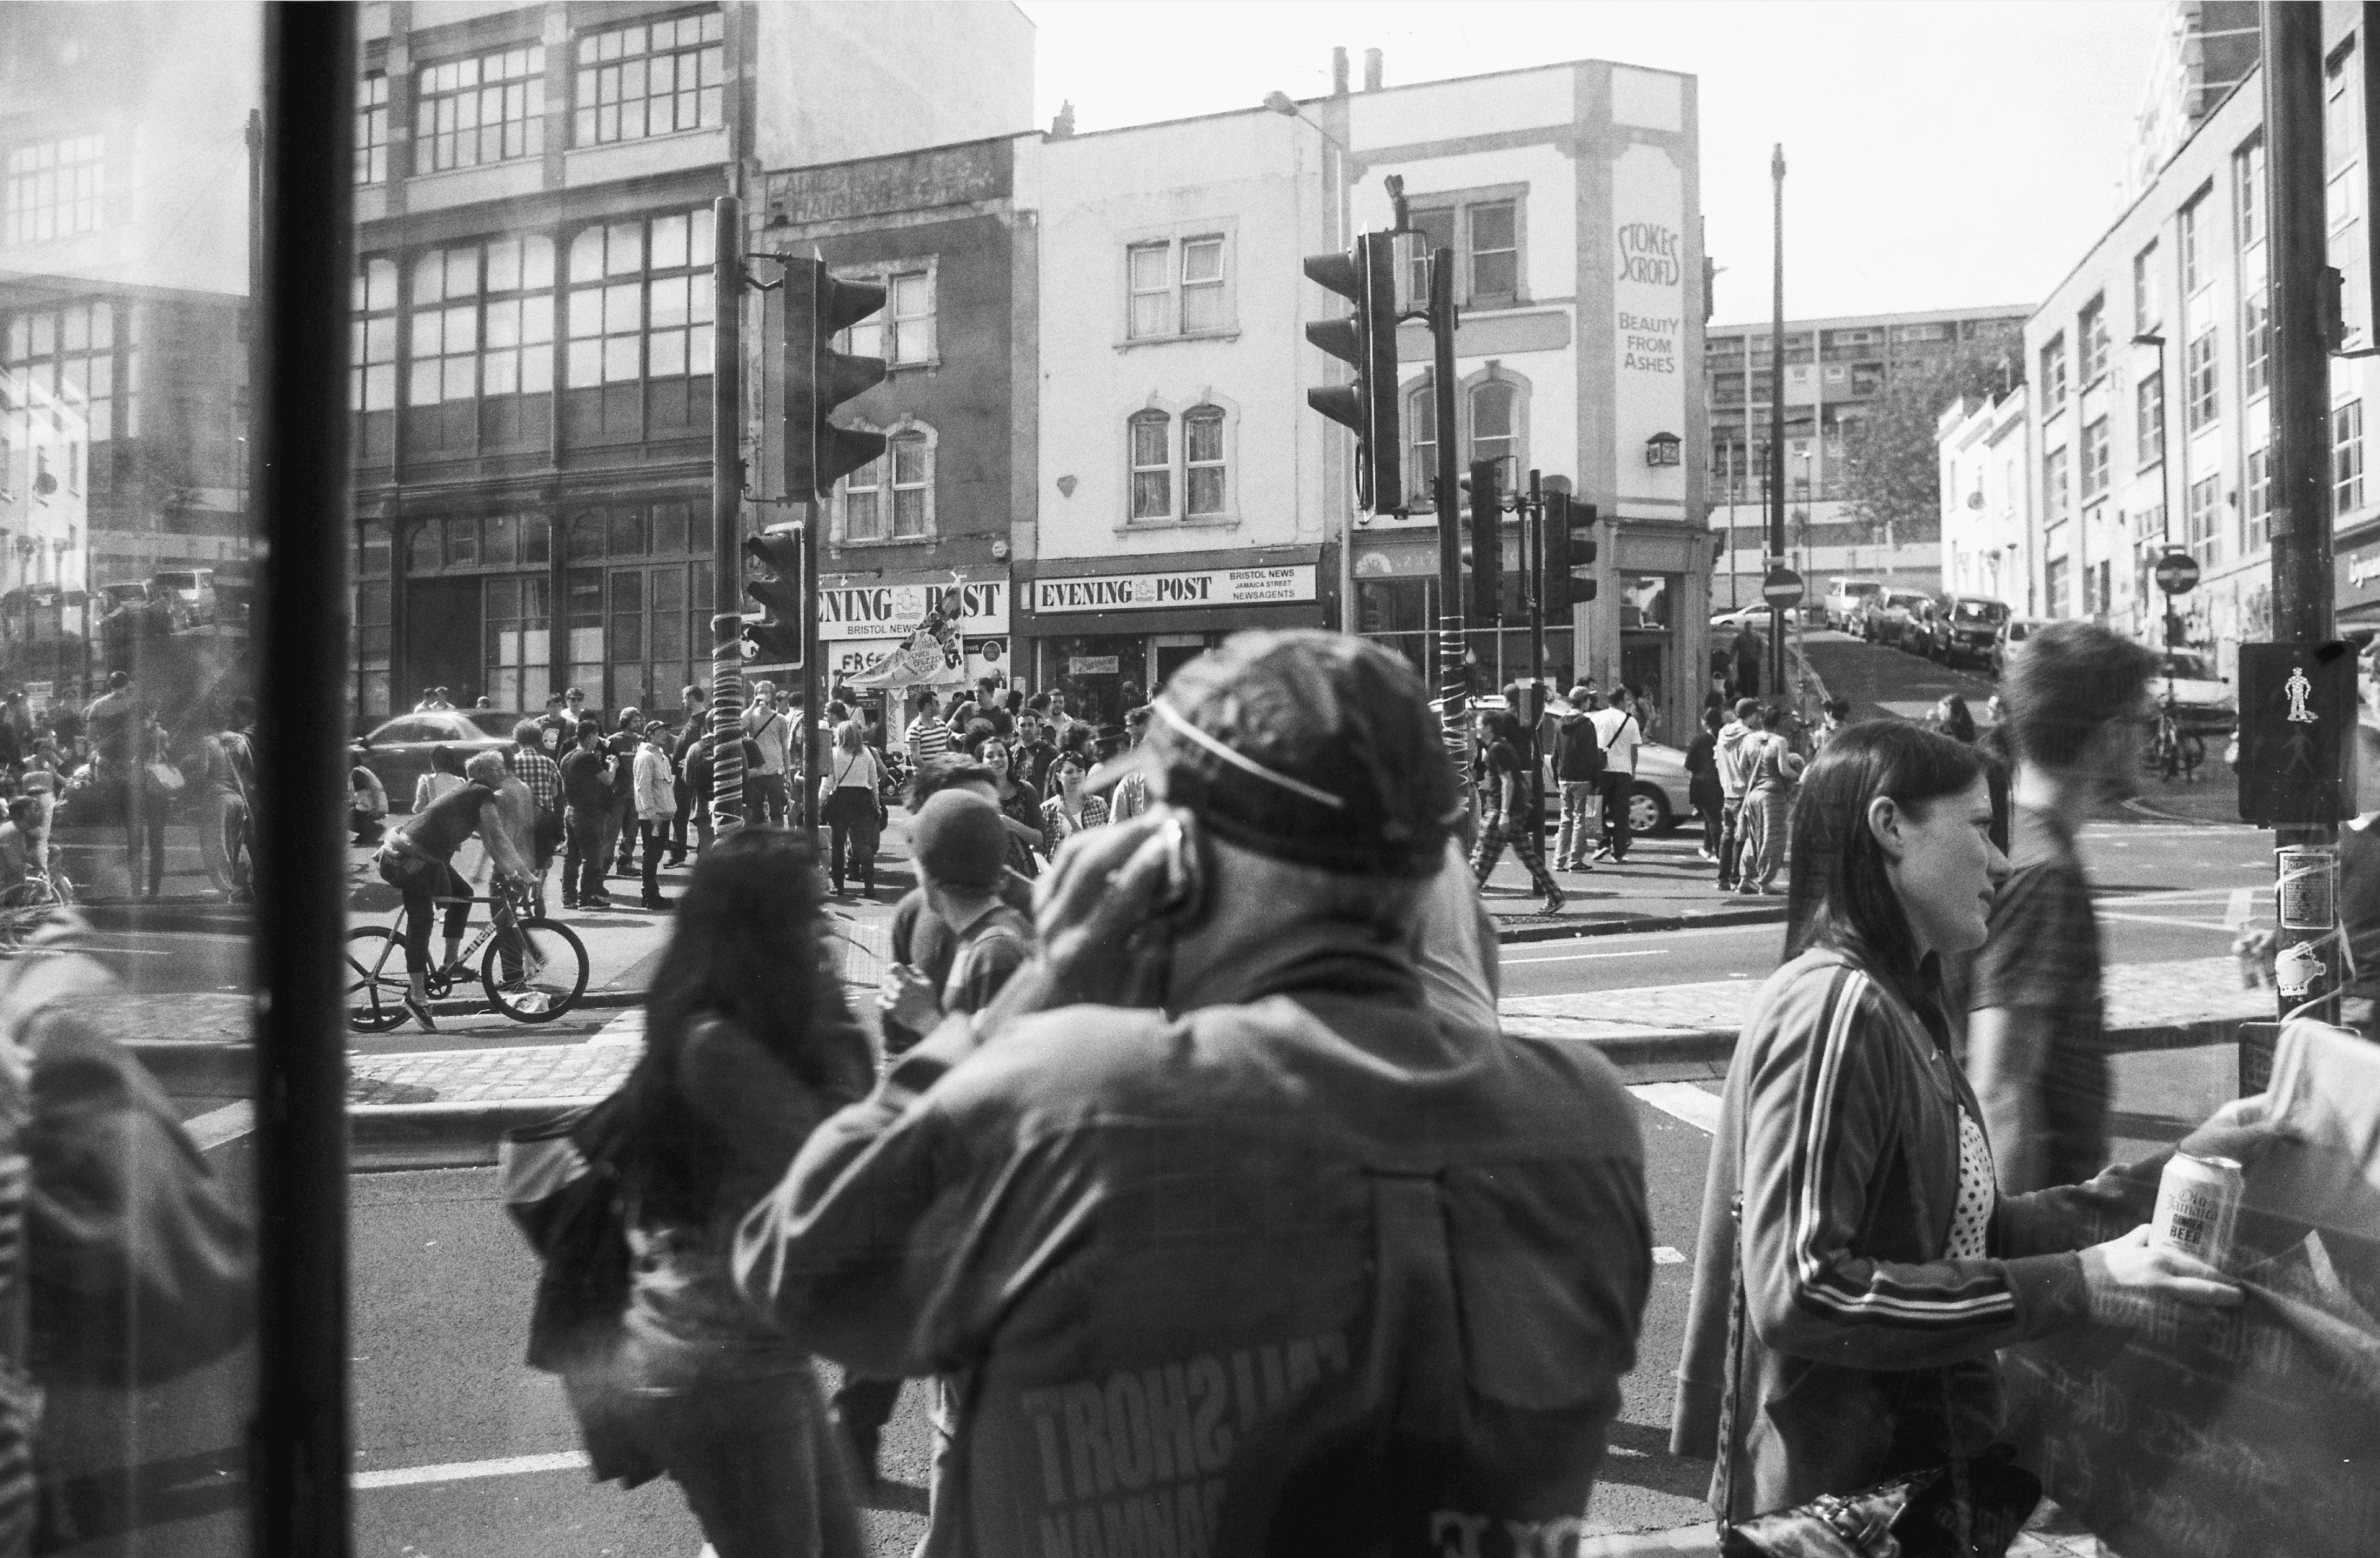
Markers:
(553, 973)
(376, 985)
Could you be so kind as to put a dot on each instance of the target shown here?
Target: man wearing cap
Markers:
(1578, 769)
(1214, 1226)
(655, 795)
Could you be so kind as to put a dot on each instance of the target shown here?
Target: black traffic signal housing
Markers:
(1569, 552)
(818, 378)
(776, 557)
(1366, 340)
(1486, 548)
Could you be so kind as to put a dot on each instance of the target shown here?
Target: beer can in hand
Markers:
(2198, 1208)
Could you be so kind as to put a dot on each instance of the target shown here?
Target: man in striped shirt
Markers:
(928, 735)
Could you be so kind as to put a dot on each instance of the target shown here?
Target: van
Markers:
(2013, 633)
(1845, 596)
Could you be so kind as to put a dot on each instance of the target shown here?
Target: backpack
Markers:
(1578, 751)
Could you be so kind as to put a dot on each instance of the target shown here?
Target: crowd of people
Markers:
(1199, 1182)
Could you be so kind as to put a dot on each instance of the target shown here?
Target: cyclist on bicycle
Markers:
(21, 879)
(417, 860)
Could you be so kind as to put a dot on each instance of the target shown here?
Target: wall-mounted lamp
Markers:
(1663, 448)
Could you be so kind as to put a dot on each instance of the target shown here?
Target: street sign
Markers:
(2176, 573)
(1781, 589)
(2297, 708)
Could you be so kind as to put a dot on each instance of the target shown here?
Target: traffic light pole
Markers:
(1533, 579)
(811, 681)
(1777, 432)
(2301, 390)
(726, 798)
(1452, 683)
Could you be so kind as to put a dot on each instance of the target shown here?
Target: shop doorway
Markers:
(441, 640)
(1101, 674)
(1172, 652)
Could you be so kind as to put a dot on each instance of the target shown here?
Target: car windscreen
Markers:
(1981, 611)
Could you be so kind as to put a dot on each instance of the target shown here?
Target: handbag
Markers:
(166, 776)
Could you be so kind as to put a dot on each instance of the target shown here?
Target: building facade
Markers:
(533, 308)
(1181, 489)
(1986, 499)
(928, 524)
(1836, 370)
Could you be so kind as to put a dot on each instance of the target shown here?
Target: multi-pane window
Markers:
(640, 299)
(66, 356)
(2255, 341)
(2055, 576)
(2091, 338)
(901, 333)
(479, 109)
(2195, 271)
(2095, 459)
(1493, 436)
(1495, 250)
(2199, 378)
(516, 351)
(2343, 192)
(2347, 457)
(2053, 374)
(446, 334)
(1421, 446)
(2145, 310)
(863, 502)
(371, 356)
(2259, 503)
(1152, 465)
(2053, 488)
(1437, 229)
(2148, 424)
(1202, 459)
(2200, 520)
(2248, 180)
(372, 129)
(53, 188)
(913, 463)
(1174, 280)
(651, 79)
(458, 350)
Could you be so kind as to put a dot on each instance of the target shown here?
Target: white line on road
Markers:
(1582, 956)
(467, 1471)
(1681, 1101)
(2166, 920)
(628, 1028)
(220, 1127)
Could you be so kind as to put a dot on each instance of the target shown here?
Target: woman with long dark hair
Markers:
(1850, 1224)
(747, 1049)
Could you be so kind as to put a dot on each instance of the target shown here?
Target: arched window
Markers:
(1421, 446)
(911, 461)
(1494, 432)
(1152, 465)
(1202, 453)
(863, 505)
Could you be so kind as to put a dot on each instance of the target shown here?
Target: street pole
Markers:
(1777, 428)
(726, 798)
(1452, 684)
(2301, 413)
(1533, 579)
(813, 684)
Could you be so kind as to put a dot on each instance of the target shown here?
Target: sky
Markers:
(1940, 153)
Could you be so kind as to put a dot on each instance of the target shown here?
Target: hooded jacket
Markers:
(1577, 748)
(1840, 1128)
(1734, 773)
(1309, 1268)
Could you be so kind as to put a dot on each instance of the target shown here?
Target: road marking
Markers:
(467, 1471)
(1582, 956)
(1664, 1256)
(2166, 920)
(628, 1028)
(220, 1127)
(1681, 1101)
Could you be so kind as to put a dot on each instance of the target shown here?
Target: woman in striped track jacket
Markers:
(1881, 1269)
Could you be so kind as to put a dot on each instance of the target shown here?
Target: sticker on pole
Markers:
(2176, 573)
(1782, 588)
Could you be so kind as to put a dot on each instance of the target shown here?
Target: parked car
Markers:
(1729, 621)
(1659, 799)
(1883, 616)
(2013, 633)
(1965, 628)
(398, 751)
(2202, 702)
(192, 592)
(1845, 596)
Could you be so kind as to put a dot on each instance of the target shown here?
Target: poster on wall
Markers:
(1648, 348)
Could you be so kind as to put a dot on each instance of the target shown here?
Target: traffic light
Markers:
(1486, 542)
(775, 634)
(1569, 552)
(818, 378)
(1366, 340)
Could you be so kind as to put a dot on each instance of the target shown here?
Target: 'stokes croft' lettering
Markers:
(1132, 1466)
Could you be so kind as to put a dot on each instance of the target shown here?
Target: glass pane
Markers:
(1205, 437)
(1202, 261)
(1149, 441)
(1148, 268)
(1207, 489)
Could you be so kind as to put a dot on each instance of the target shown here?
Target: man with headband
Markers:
(1218, 1232)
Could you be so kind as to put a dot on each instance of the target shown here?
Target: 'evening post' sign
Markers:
(1205, 587)
(891, 610)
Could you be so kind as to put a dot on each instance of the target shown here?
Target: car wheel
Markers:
(1648, 810)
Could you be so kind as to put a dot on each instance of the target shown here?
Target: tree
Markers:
(1892, 474)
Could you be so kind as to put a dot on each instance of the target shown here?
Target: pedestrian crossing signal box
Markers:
(2297, 713)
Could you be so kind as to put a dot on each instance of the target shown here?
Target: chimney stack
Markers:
(1371, 70)
(1338, 72)
(1064, 125)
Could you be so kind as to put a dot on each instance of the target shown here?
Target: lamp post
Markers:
(2165, 452)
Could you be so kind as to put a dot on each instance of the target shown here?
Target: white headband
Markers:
(1247, 765)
